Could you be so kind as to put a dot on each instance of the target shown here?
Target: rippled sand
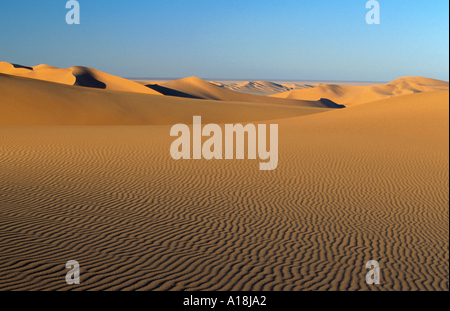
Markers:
(368, 182)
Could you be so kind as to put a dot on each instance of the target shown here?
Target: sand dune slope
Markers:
(81, 76)
(41, 72)
(421, 82)
(33, 102)
(369, 182)
(201, 89)
(352, 95)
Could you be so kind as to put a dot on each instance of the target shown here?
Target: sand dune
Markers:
(366, 182)
(353, 95)
(81, 76)
(304, 95)
(421, 82)
(41, 72)
(187, 88)
(33, 102)
(198, 88)
(261, 87)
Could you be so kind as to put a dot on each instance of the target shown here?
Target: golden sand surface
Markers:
(367, 182)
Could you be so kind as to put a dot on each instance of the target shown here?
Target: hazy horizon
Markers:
(244, 80)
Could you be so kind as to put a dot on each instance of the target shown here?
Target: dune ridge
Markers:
(261, 87)
(201, 89)
(34, 102)
(78, 75)
(187, 88)
(304, 95)
(354, 95)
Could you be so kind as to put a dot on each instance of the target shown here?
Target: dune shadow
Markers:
(87, 80)
(330, 103)
(170, 92)
(20, 66)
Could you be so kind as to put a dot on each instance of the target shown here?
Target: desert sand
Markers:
(353, 95)
(86, 175)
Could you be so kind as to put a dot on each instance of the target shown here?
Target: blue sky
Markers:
(232, 39)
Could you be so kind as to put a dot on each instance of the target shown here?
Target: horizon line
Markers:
(254, 79)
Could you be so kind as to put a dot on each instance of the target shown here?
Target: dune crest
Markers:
(261, 87)
(78, 75)
(354, 95)
(40, 72)
(420, 81)
(35, 102)
(199, 88)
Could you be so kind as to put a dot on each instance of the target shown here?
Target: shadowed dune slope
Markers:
(370, 182)
(32, 102)
(202, 89)
(353, 95)
(81, 76)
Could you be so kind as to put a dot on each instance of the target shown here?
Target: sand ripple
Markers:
(344, 193)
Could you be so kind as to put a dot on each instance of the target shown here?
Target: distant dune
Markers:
(261, 87)
(25, 101)
(285, 94)
(192, 87)
(353, 95)
(81, 76)
(198, 88)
